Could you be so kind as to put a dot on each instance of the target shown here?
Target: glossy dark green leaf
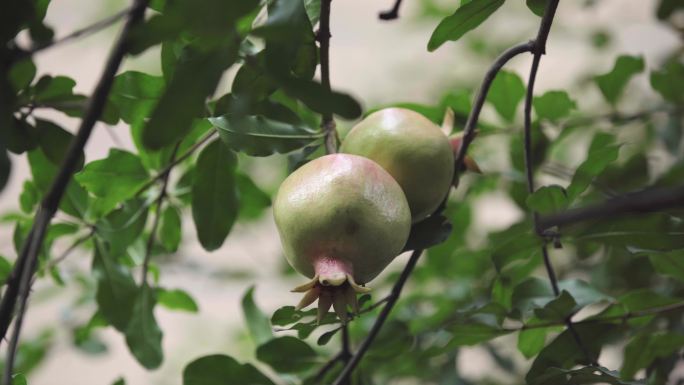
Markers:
(474, 333)
(506, 93)
(218, 369)
(257, 322)
(121, 227)
(253, 200)
(20, 136)
(286, 19)
(176, 299)
(75, 201)
(564, 353)
(184, 96)
(120, 381)
(467, 17)
(287, 354)
(595, 163)
(428, 232)
(259, 136)
(644, 348)
(558, 309)
(49, 89)
(548, 199)
(5, 269)
(536, 293)
(581, 376)
(116, 291)
(536, 6)
(326, 337)
(135, 94)
(214, 195)
(669, 263)
(55, 141)
(614, 82)
(121, 166)
(531, 341)
(170, 229)
(317, 98)
(669, 81)
(553, 105)
(143, 335)
(22, 73)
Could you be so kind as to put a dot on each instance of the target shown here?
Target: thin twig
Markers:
(26, 265)
(380, 321)
(392, 13)
(74, 245)
(162, 174)
(538, 51)
(471, 124)
(649, 200)
(155, 222)
(93, 28)
(323, 35)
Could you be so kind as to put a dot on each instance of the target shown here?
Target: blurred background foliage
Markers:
(207, 152)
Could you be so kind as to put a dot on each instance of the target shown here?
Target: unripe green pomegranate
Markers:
(412, 149)
(342, 219)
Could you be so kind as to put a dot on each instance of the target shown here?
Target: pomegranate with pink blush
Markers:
(342, 219)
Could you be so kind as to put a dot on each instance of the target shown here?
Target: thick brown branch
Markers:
(650, 200)
(26, 263)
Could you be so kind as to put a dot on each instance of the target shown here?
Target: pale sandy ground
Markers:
(376, 61)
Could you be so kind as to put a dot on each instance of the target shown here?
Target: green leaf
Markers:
(19, 379)
(466, 18)
(548, 199)
(143, 335)
(586, 375)
(5, 269)
(75, 200)
(170, 229)
(564, 353)
(116, 291)
(317, 98)
(669, 81)
(135, 94)
(428, 232)
(253, 201)
(121, 166)
(506, 92)
(21, 74)
(326, 337)
(536, 6)
(536, 293)
(531, 341)
(667, 8)
(287, 354)
(473, 333)
(553, 105)
(645, 347)
(557, 309)
(176, 299)
(613, 83)
(55, 142)
(257, 322)
(48, 89)
(214, 195)
(29, 197)
(259, 136)
(121, 227)
(596, 162)
(184, 97)
(218, 369)
(119, 381)
(670, 263)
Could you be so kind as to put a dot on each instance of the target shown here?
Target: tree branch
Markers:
(392, 13)
(323, 35)
(620, 317)
(474, 116)
(162, 174)
(157, 215)
(649, 200)
(83, 32)
(539, 50)
(78, 242)
(380, 321)
(26, 263)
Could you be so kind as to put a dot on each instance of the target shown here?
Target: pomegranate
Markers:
(342, 219)
(412, 149)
